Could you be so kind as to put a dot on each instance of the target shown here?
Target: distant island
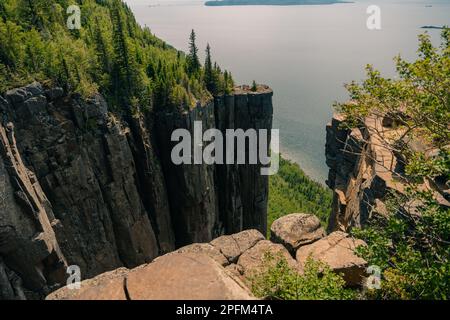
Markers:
(270, 2)
(432, 27)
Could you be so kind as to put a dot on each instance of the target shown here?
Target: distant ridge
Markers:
(271, 2)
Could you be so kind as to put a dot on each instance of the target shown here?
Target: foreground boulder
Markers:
(232, 246)
(295, 230)
(177, 276)
(338, 251)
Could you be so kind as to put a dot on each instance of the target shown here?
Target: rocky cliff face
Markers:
(81, 185)
(364, 170)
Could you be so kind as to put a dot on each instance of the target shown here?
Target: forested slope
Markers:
(291, 190)
(110, 53)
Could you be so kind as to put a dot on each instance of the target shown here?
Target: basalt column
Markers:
(254, 110)
(227, 175)
(190, 187)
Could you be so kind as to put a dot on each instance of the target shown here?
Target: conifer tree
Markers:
(125, 70)
(32, 11)
(193, 63)
(102, 48)
(2, 11)
(209, 73)
(111, 54)
(254, 86)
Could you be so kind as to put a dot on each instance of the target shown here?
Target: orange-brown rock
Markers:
(207, 249)
(338, 251)
(176, 276)
(185, 276)
(295, 230)
(232, 246)
(106, 286)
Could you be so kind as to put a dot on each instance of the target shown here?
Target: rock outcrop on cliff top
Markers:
(84, 185)
(221, 269)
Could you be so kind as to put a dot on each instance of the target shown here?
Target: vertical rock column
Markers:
(254, 110)
(227, 175)
(209, 200)
(190, 187)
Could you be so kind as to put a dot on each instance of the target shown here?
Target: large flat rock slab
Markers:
(185, 276)
(175, 276)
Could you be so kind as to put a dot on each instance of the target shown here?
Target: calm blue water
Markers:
(305, 53)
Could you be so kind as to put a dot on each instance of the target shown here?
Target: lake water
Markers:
(305, 53)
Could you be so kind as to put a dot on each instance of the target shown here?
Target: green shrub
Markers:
(279, 281)
(412, 252)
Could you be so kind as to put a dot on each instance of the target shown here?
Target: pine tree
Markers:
(125, 65)
(32, 11)
(12, 51)
(209, 74)
(228, 82)
(102, 49)
(2, 11)
(193, 63)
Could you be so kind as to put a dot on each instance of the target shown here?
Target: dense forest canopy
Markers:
(110, 54)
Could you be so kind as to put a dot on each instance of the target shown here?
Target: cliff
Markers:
(365, 170)
(82, 185)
